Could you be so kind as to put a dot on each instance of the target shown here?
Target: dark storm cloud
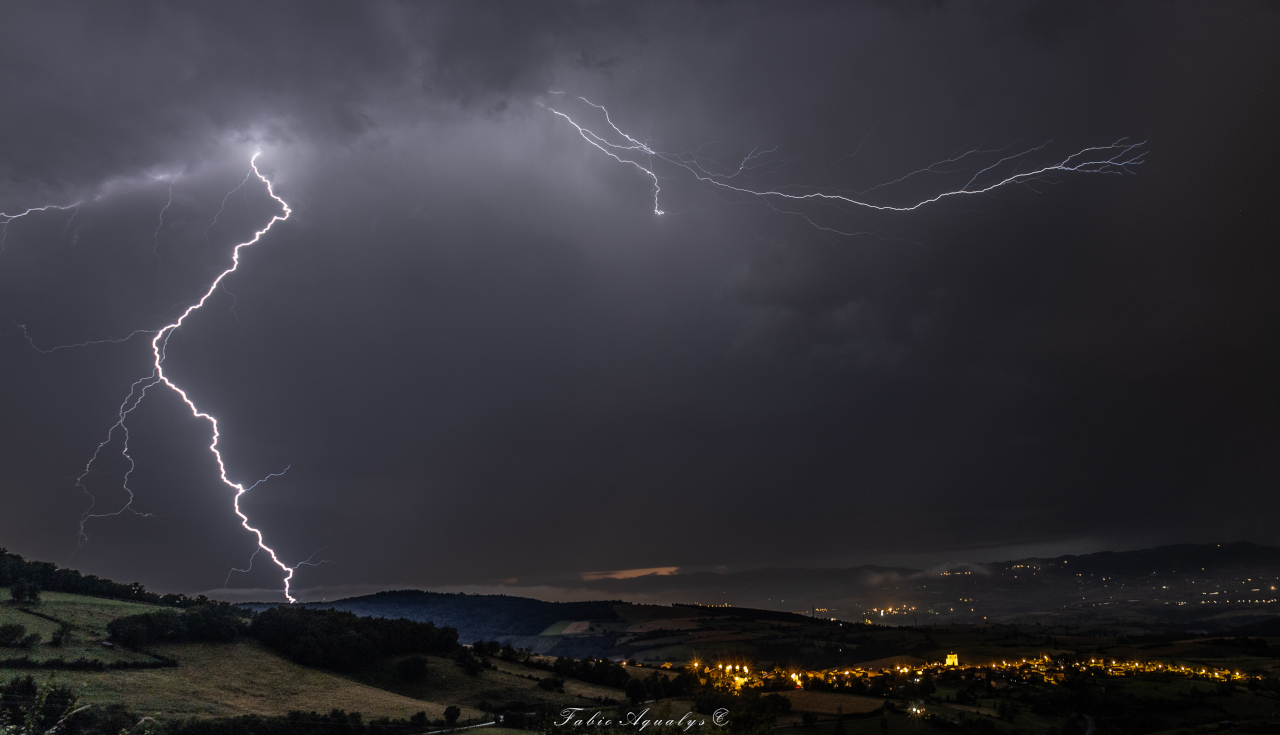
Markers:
(100, 91)
(484, 357)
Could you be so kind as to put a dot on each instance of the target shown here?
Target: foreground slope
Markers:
(210, 680)
(223, 680)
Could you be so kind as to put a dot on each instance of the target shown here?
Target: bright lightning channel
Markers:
(158, 376)
(160, 342)
(1116, 158)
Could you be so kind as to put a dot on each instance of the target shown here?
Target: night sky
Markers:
(482, 356)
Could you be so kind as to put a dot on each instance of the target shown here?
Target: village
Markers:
(999, 675)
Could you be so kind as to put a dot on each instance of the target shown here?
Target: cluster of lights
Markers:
(739, 676)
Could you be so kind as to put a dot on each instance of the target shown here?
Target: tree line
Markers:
(328, 639)
(212, 622)
(26, 579)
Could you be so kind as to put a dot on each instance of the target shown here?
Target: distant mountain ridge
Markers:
(1174, 558)
(1183, 587)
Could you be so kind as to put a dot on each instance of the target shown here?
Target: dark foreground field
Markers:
(211, 682)
(124, 660)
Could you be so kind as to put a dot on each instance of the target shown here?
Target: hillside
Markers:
(209, 680)
(242, 678)
(475, 617)
(796, 657)
(229, 680)
(1186, 588)
(1210, 587)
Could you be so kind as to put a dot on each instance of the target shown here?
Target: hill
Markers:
(846, 669)
(244, 677)
(206, 679)
(475, 617)
(1210, 588)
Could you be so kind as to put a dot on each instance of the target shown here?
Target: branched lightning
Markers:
(609, 148)
(160, 341)
(158, 376)
(222, 208)
(155, 249)
(67, 227)
(86, 343)
(5, 219)
(137, 392)
(1117, 158)
(304, 563)
(246, 570)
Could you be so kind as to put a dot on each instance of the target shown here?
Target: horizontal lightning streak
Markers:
(86, 343)
(1116, 158)
(5, 219)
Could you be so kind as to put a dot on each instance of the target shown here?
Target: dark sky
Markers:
(482, 355)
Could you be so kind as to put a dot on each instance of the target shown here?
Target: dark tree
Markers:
(343, 641)
(777, 703)
(14, 635)
(43, 575)
(636, 691)
(11, 634)
(451, 714)
(24, 591)
(927, 687)
(209, 623)
(551, 683)
(413, 668)
(469, 663)
(26, 705)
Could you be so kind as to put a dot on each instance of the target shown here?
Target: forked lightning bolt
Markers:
(1116, 158)
(158, 376)
(160, 342)
(137, 392)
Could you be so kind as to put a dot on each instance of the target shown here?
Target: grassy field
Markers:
(829, 703)
(224, 680)
(212, 680)
(88, 618)
(219, 680)
(504, 685)
(44, 628)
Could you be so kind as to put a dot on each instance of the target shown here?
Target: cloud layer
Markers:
(483, 357)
